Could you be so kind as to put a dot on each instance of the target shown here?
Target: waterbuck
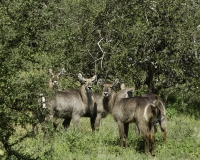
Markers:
(73, 104)
(98, 112)
(53, 84)
(161, 116)
(161, 111)
(139, 110)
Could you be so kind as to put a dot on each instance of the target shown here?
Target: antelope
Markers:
(161, 116)
(96, 116)
(53, 84)
(73, 104)
(139, 110)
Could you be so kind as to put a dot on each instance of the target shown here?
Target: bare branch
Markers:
(195, 47)
(102, 52)
(101, 58)
(146, 17)
(98, 59)
(100, 46)
(91, 55)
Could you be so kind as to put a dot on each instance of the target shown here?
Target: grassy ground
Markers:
(183, 142)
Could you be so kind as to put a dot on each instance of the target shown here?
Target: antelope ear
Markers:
(116, 81)
(100, 82)
(63, 71)
(80, 77)
(122, 86)
(51, 72)
(94, 78)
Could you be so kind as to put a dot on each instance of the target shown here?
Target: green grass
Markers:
(183, 142)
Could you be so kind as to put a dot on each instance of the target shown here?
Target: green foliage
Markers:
(82, 143)
(153, 45)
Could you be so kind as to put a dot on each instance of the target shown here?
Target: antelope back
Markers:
(161, 104)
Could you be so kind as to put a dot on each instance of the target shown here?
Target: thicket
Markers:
(153, 45)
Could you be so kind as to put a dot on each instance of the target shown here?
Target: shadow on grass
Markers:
(111, 142)
(137, 144)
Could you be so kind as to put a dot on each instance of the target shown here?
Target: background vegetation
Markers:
(153, 45)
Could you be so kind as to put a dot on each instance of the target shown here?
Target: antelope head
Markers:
(108, 87)
(54, 80)
(125, 92)
(87, 82)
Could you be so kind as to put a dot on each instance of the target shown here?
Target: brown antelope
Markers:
(95, 116)
(73, 104)
(139, 110)
(161, 116)
(54, 85)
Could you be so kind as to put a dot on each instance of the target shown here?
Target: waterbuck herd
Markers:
(72, 104)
